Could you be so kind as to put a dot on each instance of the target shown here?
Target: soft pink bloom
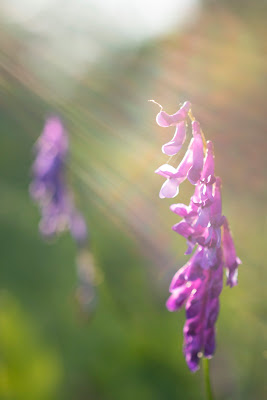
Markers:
(171, 148)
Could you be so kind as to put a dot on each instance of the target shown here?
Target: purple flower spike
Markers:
(49, 188)
(171, 148)
(198, 284)
(230, 258)
(58, 212)
(165, 120)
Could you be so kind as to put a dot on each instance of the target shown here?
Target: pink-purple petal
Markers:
(165, 120)
(178, 297)
(208, 168)
(194, 173)
(171, 148)
(186, 163)
(166, 170)
(216, 206)
(180, 209)
(169, 189)
(179, 278)
(183, 228)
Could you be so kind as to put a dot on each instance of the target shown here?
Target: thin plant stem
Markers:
(206, 372)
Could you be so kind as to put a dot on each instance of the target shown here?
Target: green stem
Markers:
(206, 372)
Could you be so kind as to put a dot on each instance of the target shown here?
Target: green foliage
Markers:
(28, 369)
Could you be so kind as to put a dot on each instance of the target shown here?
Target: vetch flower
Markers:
(58, 212)
(198, 284)
(170, 187)
(49, 188)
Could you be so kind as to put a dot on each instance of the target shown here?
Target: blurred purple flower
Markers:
(58, 212)
(198, 284)
(49, 188)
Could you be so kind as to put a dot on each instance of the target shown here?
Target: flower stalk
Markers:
(206, 372)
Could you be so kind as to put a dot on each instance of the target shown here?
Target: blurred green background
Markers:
(97, 64)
